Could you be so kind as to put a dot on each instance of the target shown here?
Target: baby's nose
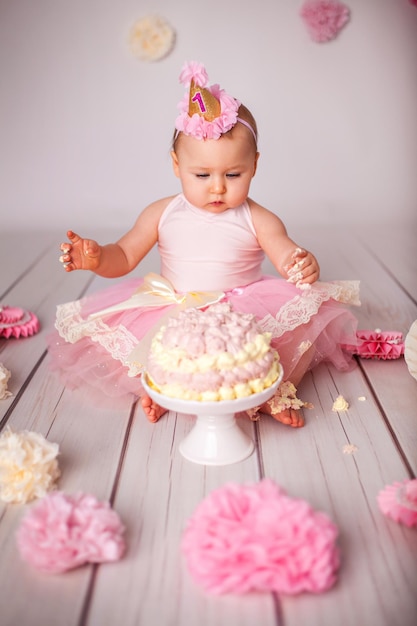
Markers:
(218, 185)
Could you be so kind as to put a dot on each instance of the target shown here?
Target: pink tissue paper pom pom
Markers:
(254, 537)
(399, 502)
(62, 532)
(324, 18)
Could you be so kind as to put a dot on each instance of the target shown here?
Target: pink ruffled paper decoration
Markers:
(254, 537)
(15, 322)
(324, 18)
(62, 532)
(375, 344)
(399, 502)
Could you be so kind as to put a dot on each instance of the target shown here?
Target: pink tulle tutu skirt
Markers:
(91, 344)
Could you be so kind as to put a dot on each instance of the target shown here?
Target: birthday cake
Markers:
(212, 355)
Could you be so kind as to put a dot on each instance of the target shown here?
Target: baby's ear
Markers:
(255, 165)
(175, 163)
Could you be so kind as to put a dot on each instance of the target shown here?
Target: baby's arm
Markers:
(297, 265)
(114, 259)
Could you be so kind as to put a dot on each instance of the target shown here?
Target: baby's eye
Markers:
(202, 175)
(233, 175)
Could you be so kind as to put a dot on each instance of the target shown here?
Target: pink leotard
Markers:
(203, 251)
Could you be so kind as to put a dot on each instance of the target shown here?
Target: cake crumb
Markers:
(349, 448)
(302, 286)
(340, 404)
(362, 398)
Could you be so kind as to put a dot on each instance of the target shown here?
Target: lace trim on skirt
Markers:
(303, 306)
(72, 327)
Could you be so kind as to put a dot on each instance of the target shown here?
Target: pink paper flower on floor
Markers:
(399, 502)
(375, 344)
(15, 322)
(254, 537)
(62, 532)
(324, 18)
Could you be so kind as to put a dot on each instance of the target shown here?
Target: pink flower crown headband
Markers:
(206, 112)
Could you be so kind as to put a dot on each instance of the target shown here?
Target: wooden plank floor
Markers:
(116, 454)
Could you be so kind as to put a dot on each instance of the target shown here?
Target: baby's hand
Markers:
(303, 268)
(80, 254)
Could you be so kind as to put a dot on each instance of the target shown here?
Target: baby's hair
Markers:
(244, 114)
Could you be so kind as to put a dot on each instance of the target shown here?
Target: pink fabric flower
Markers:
(379, 345)
(399, 502)
(254, 537)
(193, 70)
(62, 532)
(324, 18)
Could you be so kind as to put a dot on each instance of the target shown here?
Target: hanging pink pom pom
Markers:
(324, 18)
(62, 532)
(245, 538)
(399, 502)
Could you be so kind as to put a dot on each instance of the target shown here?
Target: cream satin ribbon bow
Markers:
(157, 291)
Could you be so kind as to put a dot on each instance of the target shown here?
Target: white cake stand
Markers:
(216, 438)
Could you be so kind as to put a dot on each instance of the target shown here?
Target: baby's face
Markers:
(216, 174)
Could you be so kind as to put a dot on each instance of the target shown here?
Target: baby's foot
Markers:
(289, 417)
(284, 406)
(152, 410)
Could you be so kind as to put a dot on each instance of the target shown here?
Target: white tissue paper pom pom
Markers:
(28, 466)
(151, 38)
(4, 379)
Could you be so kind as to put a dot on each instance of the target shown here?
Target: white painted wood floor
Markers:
(117, 455)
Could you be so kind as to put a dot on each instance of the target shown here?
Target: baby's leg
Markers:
(152, 410)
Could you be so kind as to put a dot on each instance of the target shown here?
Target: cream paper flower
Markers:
(151, 38)
(4, 379)
(28, 466)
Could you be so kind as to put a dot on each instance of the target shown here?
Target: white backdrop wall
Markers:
(85, 127)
